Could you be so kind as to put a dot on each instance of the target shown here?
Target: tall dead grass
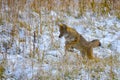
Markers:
(65, 68)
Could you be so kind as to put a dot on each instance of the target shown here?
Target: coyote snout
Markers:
(77, 41)
(60, 36)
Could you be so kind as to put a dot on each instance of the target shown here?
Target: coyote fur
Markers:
(77, 41)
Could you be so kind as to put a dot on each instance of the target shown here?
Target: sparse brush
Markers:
(81, 7)
(105, 7)
(93, 6)
(2, 70)
(117, 13)
(14, 31)
(25, 25)
(70, 66)
(35, 5)
(1, 21)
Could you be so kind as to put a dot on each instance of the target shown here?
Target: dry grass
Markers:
(65, 68)
(81, 69)
(102, 7)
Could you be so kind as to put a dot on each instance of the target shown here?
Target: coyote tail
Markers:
(95, 43)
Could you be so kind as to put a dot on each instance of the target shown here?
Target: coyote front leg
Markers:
(70, 45)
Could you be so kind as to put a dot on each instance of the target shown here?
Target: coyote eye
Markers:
(99, 44)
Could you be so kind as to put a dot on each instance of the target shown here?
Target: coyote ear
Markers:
(59, 25)
(63, 26)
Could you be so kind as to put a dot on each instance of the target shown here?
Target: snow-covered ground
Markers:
(41, 56)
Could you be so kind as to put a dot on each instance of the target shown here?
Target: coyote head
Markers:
(62, 29)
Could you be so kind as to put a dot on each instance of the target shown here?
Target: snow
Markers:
(115, 46)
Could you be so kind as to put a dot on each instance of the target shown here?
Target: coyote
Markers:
(77, 41)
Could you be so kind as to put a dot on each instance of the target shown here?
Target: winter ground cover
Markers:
(31, 50)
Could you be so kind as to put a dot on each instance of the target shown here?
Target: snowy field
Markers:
(28, 54)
